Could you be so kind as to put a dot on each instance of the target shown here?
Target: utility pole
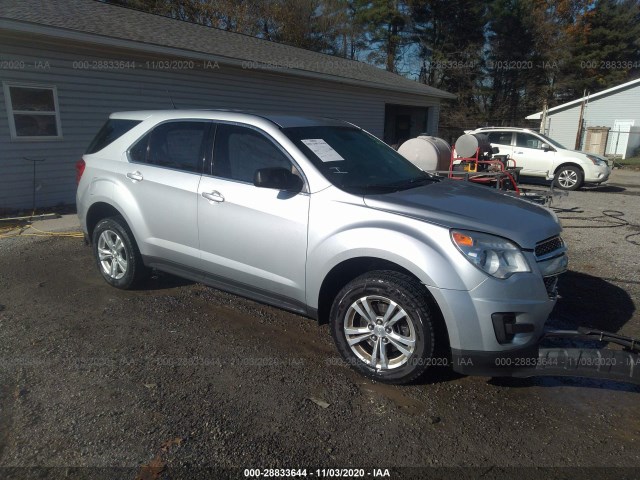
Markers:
(579, 134)
(543, 122)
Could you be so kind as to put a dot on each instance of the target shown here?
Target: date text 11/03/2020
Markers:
(318, 472)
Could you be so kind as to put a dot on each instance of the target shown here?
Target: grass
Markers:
(631, 162)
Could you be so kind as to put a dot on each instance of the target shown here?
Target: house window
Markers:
(33, 112)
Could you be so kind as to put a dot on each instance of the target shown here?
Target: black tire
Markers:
(135, 271)
(568, 178)
(408, 295)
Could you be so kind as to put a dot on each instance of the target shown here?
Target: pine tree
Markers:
(607, 50)
(450, 37)
(386, 23)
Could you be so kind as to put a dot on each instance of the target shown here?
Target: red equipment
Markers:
(499, 171)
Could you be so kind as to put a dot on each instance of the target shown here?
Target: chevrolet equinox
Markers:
(321, 218)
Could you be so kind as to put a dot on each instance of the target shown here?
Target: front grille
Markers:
(551, 284)
(547, 246)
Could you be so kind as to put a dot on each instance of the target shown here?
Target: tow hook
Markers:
(622, 365)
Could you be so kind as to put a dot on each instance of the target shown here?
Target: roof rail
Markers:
(505, 128)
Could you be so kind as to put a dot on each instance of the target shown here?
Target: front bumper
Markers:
(498, 324)
(468, 314)
(597, 174)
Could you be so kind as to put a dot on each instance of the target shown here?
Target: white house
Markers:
(65, 65)
(617, 108)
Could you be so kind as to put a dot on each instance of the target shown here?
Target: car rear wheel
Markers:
(116, 253)
(382, 326)
(569, 178)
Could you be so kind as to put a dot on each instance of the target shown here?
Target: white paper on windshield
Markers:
(322, 150)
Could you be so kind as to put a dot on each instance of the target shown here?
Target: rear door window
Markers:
(177, 145)
(109, 133)
(500, 138)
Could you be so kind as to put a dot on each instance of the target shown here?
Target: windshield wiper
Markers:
(372, 188)
(407, 184)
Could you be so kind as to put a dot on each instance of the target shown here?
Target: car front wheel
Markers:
(382, 326)
(569, 178)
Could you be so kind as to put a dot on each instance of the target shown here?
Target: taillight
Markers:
(79, 170)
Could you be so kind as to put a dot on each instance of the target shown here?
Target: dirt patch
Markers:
(95, 377)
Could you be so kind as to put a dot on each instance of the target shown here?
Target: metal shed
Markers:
(616, 109)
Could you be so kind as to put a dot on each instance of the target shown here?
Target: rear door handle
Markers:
(135, 176)
(214, 196)
(519, 153)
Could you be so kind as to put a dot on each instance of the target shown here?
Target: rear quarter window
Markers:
(109, 133)
(501, 138)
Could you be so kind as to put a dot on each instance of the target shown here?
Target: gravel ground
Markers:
(179, 376)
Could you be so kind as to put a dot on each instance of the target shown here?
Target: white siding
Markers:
(563, 126)
(622, 105)
(600, 112)
(86, 97)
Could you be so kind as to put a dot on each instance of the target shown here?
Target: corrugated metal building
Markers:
(616, 108)
(65, 65)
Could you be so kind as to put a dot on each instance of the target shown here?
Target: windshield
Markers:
(356, 161)
(552, 142)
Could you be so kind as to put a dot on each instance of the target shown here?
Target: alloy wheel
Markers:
(567, 178)
(379, 332)
(112, 254)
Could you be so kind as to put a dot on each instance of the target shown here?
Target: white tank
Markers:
(468, 144)
(427, 153)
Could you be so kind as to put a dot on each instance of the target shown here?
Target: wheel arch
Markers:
(580, 173)
(347, 270)
(97, 212)
(569, 164)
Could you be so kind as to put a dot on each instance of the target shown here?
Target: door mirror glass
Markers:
(278, 178)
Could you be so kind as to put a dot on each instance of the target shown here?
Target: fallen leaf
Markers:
(169, 443)
(318, 401)
(152, 470)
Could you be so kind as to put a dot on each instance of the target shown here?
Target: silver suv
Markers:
(321, 218)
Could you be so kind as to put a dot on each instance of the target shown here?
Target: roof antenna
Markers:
(172, 104)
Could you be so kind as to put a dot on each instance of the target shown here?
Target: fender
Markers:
(113, 193)
(420, 253)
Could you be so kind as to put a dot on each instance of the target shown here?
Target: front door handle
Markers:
(519, 153)
(135, 176)
(214, 196)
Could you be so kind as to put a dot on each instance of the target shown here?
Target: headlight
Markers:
(496, 256)
(596, 161)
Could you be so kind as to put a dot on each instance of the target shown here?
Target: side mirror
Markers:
(495, 150)
(278, 178)
(546, 147)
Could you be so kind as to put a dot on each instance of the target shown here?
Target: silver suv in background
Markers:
(541, 156)
(321, 218)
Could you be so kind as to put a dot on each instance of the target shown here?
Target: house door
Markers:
(403, 128)
(619, 137)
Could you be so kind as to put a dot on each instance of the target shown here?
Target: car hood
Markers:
(463, 205)
(582, 154)
(585, 157)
